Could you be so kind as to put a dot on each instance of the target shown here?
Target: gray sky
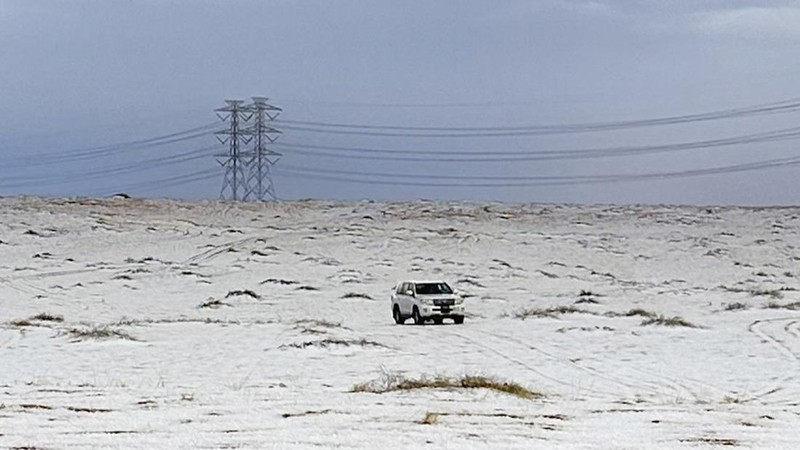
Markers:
(80, 74)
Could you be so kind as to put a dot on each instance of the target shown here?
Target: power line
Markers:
(31, 162)
(391, 105)
(105, 171)
(538, 155)
(333, 175)
(785, 106)
(60, 157)
(152, 185)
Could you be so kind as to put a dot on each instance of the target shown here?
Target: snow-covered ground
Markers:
(297, 314)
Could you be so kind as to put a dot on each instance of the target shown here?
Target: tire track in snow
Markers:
(680, 387)
(653, 388)
(217, 250)
(531, 368)
(21, 286)
(791, 328)
(781, 347)
(589, 370)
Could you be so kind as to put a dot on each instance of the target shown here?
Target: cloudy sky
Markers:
(80, 80)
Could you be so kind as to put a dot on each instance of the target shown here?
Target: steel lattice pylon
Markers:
(259, 178)
(248, 173)
(235, 182)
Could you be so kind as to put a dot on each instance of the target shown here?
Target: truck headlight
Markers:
(459, 300)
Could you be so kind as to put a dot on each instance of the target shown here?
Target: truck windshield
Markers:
(433, 288)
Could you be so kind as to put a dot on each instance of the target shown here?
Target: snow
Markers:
(271, 361)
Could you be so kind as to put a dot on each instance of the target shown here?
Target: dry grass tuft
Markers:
(640, 312)
(330, 342)
(430, 418)
(319, 323)
(245, 292)
(88, 410)
(307, 288)
(213, 303)
(278, 281)
(357, 295)
(736, 306)
(792, 306)
(99, 332)
(305, 413)
(45, 317)
(34, 320)
(732, 400)
(675, 321)
(34, 406)
(394, 382)
(728, 442)
(549, 312)
(773, 293)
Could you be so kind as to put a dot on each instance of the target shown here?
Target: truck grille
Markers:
(445, 302)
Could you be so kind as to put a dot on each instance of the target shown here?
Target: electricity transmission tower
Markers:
(235, 182)
(259, 178)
